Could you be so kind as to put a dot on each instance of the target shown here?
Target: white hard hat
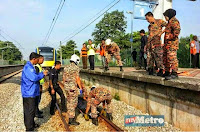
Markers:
(108, 41)
(75, 59)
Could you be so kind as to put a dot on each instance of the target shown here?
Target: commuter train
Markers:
(49, 54)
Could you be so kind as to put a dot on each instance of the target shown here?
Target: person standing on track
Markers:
(84, 56)
(154, 46)
(71, 79)
(55, 87)
(39, 69)
(96, 96)
(30, 88)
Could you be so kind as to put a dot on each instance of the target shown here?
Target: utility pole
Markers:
(2, 55)
(61, 52)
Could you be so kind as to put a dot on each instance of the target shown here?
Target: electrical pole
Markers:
(60, 52)
(2, 55)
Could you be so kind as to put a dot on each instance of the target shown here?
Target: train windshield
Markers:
(48, 54)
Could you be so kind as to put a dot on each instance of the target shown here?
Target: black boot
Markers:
(121, 69)
(174, 75)
(64, 109)
(166, 74)
(150, 71)
(95, 121)
(109, 116)
(160, 73)
(106, 69)
(169, 77)
(72, 121)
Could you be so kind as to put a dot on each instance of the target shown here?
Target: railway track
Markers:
(102, 119)
(63, 119)
(7, 76)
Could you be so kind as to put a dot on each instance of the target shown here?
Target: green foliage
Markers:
(68, 50)
(10, 54)
(183, 52)
(112, 25)
(116, 96)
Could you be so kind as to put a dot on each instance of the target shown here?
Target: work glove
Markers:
(103, 112)
(86, 117)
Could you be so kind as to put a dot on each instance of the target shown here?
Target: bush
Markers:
(116, 96)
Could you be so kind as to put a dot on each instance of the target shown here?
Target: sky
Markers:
(28, 21)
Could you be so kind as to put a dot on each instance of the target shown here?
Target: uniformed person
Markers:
(154, 47)
(38, 69)
(55, 87)
(96, 96)
(112, 49)
(71, 79)
(171, 44)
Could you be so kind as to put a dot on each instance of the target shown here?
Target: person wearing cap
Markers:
(97, 96)
(71, 79)
(112, 50)
(171, 44)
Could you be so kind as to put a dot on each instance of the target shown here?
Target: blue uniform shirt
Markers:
(30, 86)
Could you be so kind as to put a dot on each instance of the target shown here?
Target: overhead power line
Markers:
(69, 38)
(89, 20)
(55, 18)
(20, 46)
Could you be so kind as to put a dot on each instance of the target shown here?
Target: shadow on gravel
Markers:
(15, 80)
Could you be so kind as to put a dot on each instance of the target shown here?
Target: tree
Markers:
(112, 25)
(68, 50)
(11, 53)
(183, 52)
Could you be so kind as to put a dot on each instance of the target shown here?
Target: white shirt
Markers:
(197, 46)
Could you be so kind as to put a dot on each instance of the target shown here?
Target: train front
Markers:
(49, 56)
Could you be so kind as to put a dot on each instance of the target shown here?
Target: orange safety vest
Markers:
(193, 50)
(103, 50)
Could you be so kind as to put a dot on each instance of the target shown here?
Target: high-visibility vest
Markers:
(91, 51)
(40, 70)
(103, 50)
(193, 49)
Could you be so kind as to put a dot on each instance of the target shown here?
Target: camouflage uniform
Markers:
(171, 46)
(96, 96)
(154, 46)
(70, 86)
(113, 50)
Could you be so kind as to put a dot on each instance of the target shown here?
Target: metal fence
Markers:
(6, 62)
(98, 61)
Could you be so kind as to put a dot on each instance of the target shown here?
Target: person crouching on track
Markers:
(112, 50)
(30, 89)
(39, 69)
(96, 96)
(55, 87)
(71, 79)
